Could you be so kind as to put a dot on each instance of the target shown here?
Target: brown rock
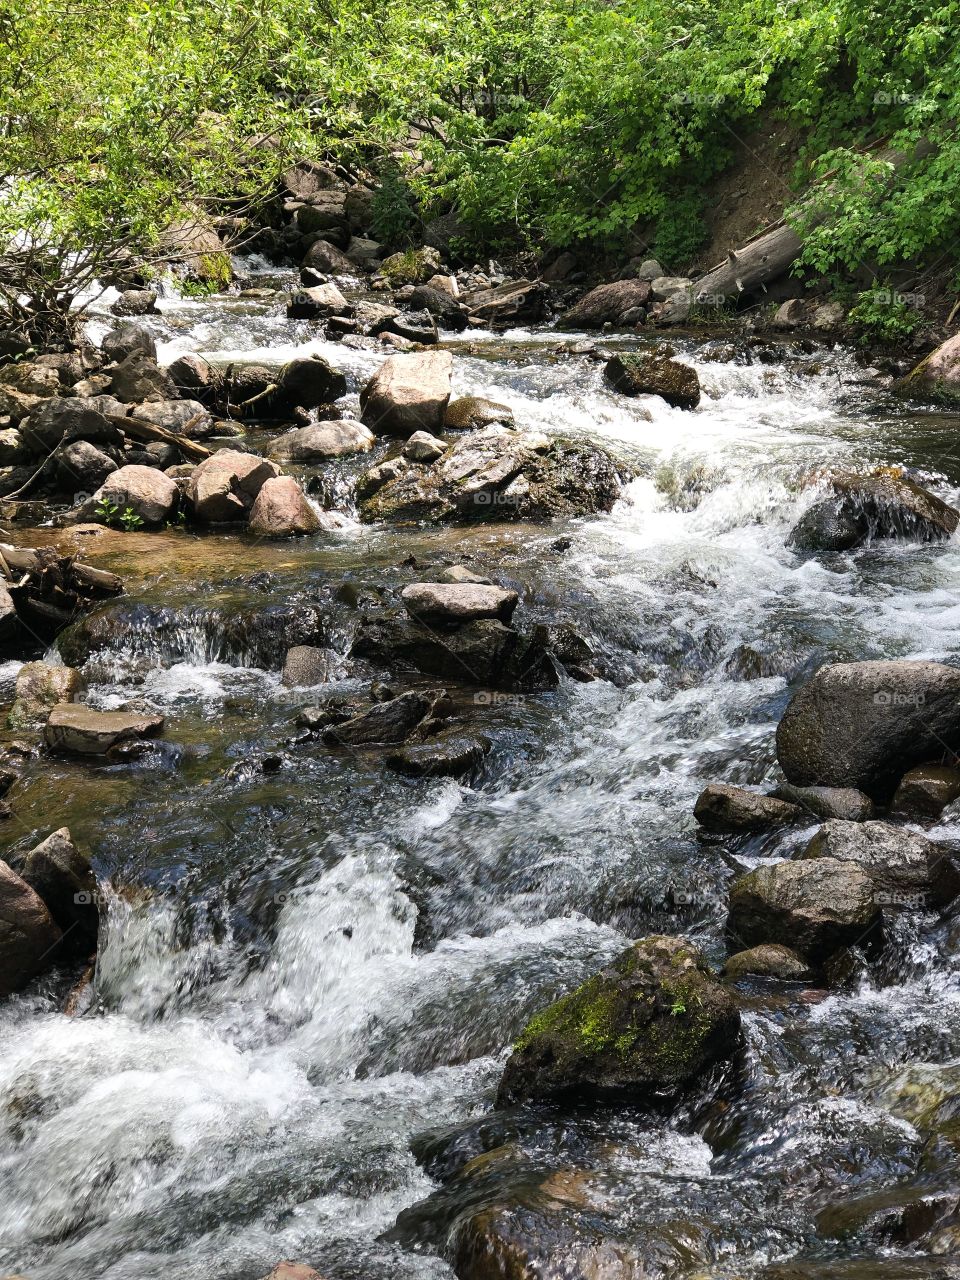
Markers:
(608, 303)
(926, 790)
(224, 486)
(408, 393)
(28, 934)
(451, 604)
(281, 510)
(62, 877)
(770, 961)
(77, 729)
(723, 808)
(153, 496)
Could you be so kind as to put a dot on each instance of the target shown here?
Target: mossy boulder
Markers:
(937, 377)
(652, 375)
(647, 1027)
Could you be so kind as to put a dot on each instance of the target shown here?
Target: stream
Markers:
(312, 969)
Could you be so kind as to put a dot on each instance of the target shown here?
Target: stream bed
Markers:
(312, 968)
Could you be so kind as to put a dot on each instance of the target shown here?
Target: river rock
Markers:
(281, 510)
(408, 393)
(512, 303)
(452, 604)
(899, 861)
(414, 266)
(309, 383)
(414, 326)
(197, 379)
(460, 573)
(723, 808)
(82, 468)
(646, 1028)
(885, 504)
(423, 447)
(306, 665)
(31, 379)
(635, 375)
(323, 440)
(769, 961)
(224, 487)
(937, 377)
(815, 906)
(326, 257)
(448, 755)
(79, 730)
(864, 724)
(62, 877)
(138, 377)
(153, 496)
(60, 419)
(373, 480)
(471, 413)
(28, 934)
(829, 802)
(608, 304)
(926, 790)
(293, 1271)
(126, 340)
(441, 304)
(136, 302)
(385, 723)
(40, 686)
(318, 303)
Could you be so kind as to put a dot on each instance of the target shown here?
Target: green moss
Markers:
(213, 274)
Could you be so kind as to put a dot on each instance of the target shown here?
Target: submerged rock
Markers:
(926, 790)
(864, 724)
(647, 1027)
(79, 730)
(635, 375)
(305, 665)
(384, 723)
(885, 504)
(723, 808)
(449, 754)
(29, 935)
(452, 604)
(768, 961)
(408, 393)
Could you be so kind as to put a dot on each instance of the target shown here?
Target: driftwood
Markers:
(762, 259)
(45, 591)
(140, 429)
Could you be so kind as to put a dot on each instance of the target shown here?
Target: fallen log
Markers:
(45, 591)
(752, 267)
(141, 430)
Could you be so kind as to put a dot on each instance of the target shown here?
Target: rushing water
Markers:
(309, 973)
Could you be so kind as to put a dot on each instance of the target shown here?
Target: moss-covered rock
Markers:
(635, 375)
(646, 1027)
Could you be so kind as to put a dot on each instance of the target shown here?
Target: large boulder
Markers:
(645, 1028)
(609, 304)
(318, 303)
(451, 604)
(322, 440)
(40, 686)
(29, 935)
(309, 382)
(937, 377)
(149, 493)
(326, 257)
(62, 877)
(635, 375)
(82, 468)
(224, 487)
(899, 861)
(499, 474)
(128, 339)
(76, 729)
(883, 504)
(408, 393)
(864, 724)
(281, 510)
(138, 377)
(814, 906)
(722, 808)
(62, 420)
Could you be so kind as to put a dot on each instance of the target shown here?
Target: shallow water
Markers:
(305, 971)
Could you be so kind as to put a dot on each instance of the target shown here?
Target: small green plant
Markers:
(109, 513)
(106, 511)
(678, 1008)
(394, 217)
(130, 521)
(884, 315)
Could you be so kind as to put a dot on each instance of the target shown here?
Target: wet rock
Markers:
(829, 802)
(79, 730)
(63, 420)
(197, 379)
(150, 494)
(899, 861)
(723, 808)
(309, 383)
(323, 440)
(62, 877)
(408, 393)
(385, 722)
(864, 724)
(415, 326)
(636, 375)
(28, 934)
(769, 961)
(445, 308)
(82, 468)
(138, 377)
(926, 790)
(423, 447)
(885, 504)
(864, 1267)
(127, 340)
(937, 377)
(608, 304)
(648, 1027)
(293, 1271)
(305, 665)
(448, 755)
(40, 686)
(224, 487)
(372, 481)
(326, 257)
(136, 302)
(318, 303)
(460, 573)
(415, 266)
(471, 413)
(815, 906)
(281, 510)
(452, 604)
